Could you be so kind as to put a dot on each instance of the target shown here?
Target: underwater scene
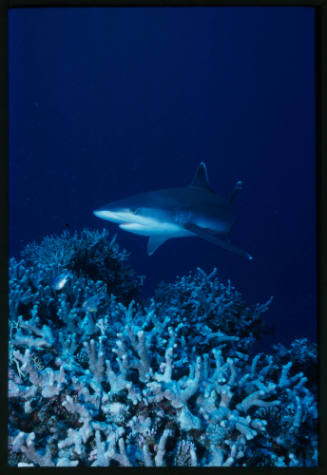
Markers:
(162, 237)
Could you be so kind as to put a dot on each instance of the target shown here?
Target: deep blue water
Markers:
(109, 102)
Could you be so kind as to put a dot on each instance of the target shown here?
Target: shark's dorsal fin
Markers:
(154, 242)
(201, 176)
(200, 179)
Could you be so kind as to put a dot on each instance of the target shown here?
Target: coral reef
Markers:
(214, 312)
(89, 254)
(98, 378)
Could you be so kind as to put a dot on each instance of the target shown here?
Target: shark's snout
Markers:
(119, 216)
(103, 214)
(98, 213)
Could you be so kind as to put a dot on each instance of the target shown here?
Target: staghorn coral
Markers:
(88, 254)
(216, 311)
(164, 383)
(304, 355)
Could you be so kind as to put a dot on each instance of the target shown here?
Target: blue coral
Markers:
(89, 254)
(213, 311)
(100, 378)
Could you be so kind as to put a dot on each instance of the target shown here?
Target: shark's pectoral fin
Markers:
(215, 238)
(154, 242)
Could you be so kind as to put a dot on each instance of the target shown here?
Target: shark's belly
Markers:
(156, 228)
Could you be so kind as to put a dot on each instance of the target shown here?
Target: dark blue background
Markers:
(108, 102)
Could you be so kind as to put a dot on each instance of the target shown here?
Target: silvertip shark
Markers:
(193, 210)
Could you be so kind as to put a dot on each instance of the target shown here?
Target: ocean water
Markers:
(105, 103)
(108, 102)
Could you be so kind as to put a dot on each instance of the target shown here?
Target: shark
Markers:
(192, 210)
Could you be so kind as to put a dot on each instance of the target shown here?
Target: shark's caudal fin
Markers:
(200, 179)
(213, 237)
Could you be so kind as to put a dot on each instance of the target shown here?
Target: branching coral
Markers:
(214, 311)
(167, 383)
(89, 254)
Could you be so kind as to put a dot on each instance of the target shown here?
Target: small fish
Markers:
(91, 303)
(60, 280)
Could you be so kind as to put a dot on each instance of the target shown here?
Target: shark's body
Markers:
(193, 210)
